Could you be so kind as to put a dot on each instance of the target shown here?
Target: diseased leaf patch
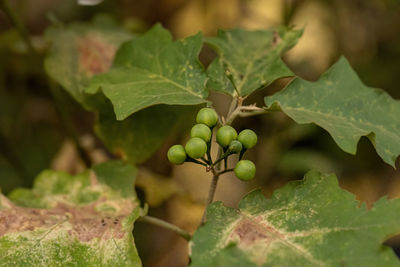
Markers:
(341, 104)
(249, 60)
(95, 56)
(79, 51)
(83, 220)
(306, 223)
(152, 69)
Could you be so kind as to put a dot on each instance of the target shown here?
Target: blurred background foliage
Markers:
(42, 127)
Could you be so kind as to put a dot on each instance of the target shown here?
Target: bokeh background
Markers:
(35, 134)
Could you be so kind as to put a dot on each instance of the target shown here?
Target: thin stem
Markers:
(225, 171)
(221, 157)
(196, 161)
(166, 225)
(253, 113)
(233, 105)
(206, 161)
(210, 198)
(17, 23)
(209, 158)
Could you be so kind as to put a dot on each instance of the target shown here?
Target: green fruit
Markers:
(235, 146)
(248, 138)
(202, 131)
(196, 147)
(207, 116)
(225, 135)
(176, 154)
(245, 170)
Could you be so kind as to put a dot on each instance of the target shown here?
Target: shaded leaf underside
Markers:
(306, 223)
(83, 220)
(341, 104)
(138, 137)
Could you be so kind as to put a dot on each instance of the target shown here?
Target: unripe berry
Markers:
(196, 147)
(202, 131)
(248, 138)
(176, 154)
(245, 170)
(235, 146)
(207, 116)
(225, 135)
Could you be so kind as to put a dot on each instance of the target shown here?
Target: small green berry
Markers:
(207, 116)
(196, 147)
(235, 146)
(245, 170)
(248, 138)
(225, 135)
(176, 154)
(202, 131)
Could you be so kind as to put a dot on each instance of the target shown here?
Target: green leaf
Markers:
(249, 60)
(153, 69)
(312, 222)
(137, 137)
(341, 104)
(80, 51)
(82, 220)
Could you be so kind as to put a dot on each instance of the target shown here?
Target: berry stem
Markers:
(224, 156)
(242, 153)
(209, 158)
(196, 161)
(165, 225)
(225, 171)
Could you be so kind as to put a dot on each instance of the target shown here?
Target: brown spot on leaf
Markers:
(276, 39)
(95, 54)
(83, 222)
(251, 231)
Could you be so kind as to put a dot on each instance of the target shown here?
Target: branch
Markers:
(166, 225)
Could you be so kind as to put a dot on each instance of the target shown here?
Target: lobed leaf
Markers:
(249, 60)
(306, 223)
(153, 69)
(341, 104)
(82, 220)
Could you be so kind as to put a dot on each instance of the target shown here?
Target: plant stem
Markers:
(225, 171)
(210, 198)
(196, 161)
(209, 148)
(166, 225)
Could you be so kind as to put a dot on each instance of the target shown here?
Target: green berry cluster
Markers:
(199, 145)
